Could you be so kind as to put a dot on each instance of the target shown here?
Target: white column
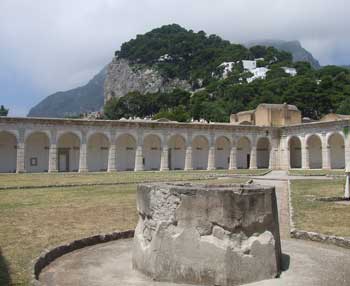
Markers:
(164, 164)
(233, 157)
(139, 159)
(347, 184)
(253, 156)
(284, 153)
(273, 154)
(53, 153)
(20, 153)
(188, 159)
(326, 159)
(304, 154)
(211, 154)
(83, 154)
(347, 151)
(20, 156)
(139, 153)
(112, 153)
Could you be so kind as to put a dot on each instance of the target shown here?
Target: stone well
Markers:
(207, 234)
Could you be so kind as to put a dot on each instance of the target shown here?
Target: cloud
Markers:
(57, 45)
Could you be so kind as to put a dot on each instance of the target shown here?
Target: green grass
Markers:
(297, 172)
(62, 179)
(324, 217)
(34, 219)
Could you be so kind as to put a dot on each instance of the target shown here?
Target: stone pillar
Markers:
(53, 153)
(347, 184)
(139, 153)
(233, 157)
(112, 167)
(188, 155)
(284, 153)
(273, 154)
(83, 154)
(304, 154)
(253, 164)
(326, 159)
(164, 164)
(211, 154)
(347, 151)
(20, 153)
(164, 157)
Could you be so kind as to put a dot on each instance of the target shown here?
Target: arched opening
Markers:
(222, 153)
(125, 149)
(177, 152)
(295, 152)
(337, 151)
(37, 153)
(97, 153)
(68, 153)
(263, 153)
(8, 152)
(314, 145)
(200, 151)
(243, 153)
(151, 153)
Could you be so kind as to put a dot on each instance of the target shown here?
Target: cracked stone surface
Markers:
(207, 235)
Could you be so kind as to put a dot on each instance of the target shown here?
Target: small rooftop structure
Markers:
(334, 117)
(268, 115)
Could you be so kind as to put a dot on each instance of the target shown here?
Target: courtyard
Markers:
(38, 211)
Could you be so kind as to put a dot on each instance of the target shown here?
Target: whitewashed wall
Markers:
(37, 147)
(97, 155)
(177, 152)
(222, 153)
(200, 149)
(126, 149)
(8, 153)
(151, 153)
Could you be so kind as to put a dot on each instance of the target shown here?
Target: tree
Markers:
(344, 107)
(3, 111)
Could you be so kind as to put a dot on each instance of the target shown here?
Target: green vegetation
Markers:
(196, 57)
(3, 111)
(324, 217)
(34, 219)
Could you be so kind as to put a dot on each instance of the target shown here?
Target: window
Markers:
(33, 161)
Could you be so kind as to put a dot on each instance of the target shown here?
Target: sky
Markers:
(48, 46)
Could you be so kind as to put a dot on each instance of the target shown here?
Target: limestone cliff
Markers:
(123, 77)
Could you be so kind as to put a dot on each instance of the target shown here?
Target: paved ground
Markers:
(108, 264)
(305, 263)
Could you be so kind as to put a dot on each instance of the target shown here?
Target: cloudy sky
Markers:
(48, 46)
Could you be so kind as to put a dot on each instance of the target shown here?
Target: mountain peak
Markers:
(294, 47)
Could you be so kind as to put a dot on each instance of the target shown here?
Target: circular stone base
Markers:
(305, 263)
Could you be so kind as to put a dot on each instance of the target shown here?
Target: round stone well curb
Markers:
(49, 255)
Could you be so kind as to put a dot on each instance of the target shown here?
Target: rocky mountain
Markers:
(293, 47)
(122, 78)
(170, 58)
(87, 98)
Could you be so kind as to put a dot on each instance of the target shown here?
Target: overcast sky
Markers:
(48, 46)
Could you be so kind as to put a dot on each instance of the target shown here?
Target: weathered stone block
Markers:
(207, 234)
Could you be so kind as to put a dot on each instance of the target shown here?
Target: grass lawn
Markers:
(34, 219)
(298, 172)
(45, 179)
(324, 217)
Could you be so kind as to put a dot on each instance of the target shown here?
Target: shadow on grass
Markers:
(5, 278)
